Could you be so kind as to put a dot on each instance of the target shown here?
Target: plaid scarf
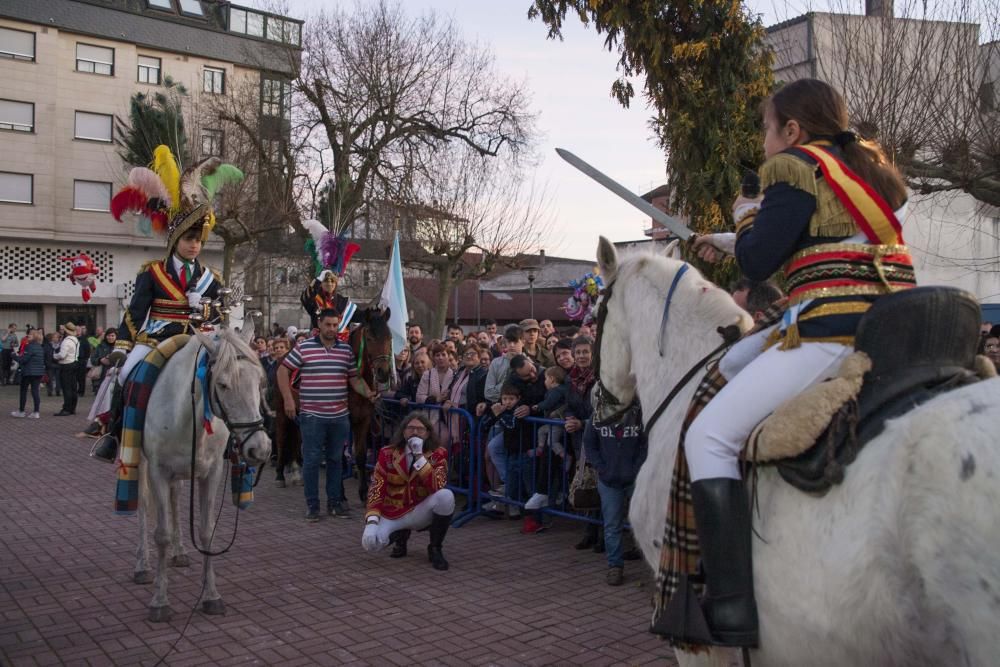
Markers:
(137, 393)
(679, 550)
(581, 380)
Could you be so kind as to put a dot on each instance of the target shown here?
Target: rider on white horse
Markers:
(166, 291)
(827, 219)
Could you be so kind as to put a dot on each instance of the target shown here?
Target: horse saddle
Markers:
(910, 346)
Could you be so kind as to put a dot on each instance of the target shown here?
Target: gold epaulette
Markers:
(831, 219)
(217, 276)
(145, 267)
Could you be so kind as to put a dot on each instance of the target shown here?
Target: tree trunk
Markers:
(445, 283)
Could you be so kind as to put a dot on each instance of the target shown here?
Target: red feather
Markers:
(349, 252)
(159, 219)
(128, 199)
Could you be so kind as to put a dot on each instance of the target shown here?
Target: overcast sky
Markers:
(570, 83)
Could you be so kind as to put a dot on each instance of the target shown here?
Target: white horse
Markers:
(236, 381)
(898, 565)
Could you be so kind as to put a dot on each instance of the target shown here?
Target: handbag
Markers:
(583, 493)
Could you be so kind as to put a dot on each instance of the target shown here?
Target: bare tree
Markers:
(474, 215)
(388, 91)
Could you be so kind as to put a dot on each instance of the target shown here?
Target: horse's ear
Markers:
(607, 260)
(207, 342)
(673, 250)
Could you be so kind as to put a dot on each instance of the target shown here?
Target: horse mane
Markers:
(378, 325)
(231, 350)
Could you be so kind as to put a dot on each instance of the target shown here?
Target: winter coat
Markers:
(616, 449)
(32, 362)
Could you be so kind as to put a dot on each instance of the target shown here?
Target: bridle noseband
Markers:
(235, 441)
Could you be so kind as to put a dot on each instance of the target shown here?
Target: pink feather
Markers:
(146, 180)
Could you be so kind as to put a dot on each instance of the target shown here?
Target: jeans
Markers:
(30, 381)
(613, 504)
(498, 454)
(323, 438)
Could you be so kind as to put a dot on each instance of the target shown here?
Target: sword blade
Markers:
(670, 223)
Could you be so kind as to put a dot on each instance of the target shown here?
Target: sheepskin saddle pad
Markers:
(910, 346)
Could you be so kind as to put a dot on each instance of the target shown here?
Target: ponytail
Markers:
(822, 113)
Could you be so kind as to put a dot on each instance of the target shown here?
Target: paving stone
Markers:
(296, 594)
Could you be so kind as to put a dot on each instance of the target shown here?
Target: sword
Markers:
(670, 223)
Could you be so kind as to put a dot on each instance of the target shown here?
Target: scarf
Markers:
(581, 380)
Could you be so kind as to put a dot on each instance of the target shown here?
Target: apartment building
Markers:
(68, 68)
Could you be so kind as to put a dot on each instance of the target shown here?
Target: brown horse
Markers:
(372, 345)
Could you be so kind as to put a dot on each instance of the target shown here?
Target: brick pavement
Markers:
(296, 593)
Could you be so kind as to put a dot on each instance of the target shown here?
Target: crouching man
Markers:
(408, 492)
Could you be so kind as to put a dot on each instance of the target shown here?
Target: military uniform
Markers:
(314, 301)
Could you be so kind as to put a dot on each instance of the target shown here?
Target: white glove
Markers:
(724, 241)
(419, 462)
(415, 445)
(370, 539)
(194, 300)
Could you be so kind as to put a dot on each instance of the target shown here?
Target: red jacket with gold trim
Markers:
(396, 489)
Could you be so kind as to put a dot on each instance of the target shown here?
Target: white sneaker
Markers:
(34, 415)
(537, 501)
(17, 413)
(498, 492)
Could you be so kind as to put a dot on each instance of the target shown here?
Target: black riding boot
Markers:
(106, 447)
(722, 512)
(438, 529)
(398, 540)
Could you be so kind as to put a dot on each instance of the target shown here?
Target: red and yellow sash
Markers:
(870, 211)
(166, 282)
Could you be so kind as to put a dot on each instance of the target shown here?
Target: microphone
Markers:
(750, 186)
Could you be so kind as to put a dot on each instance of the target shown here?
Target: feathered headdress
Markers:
(580, 306)
(171, 202)
(329, 251)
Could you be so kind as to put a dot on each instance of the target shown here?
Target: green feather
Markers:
(224, 174)
(311, 251)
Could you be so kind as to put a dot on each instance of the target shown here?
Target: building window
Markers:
(149, 70)
(275, 98)
(192, 7)
(17, 44)
(211, 143)
(16, 188)
(160, 4)
(92, 126)
(248, 22)
(366, 278)
(17, 116)
(91, 196)
(95, 59)
(280, 30)
(214, 81)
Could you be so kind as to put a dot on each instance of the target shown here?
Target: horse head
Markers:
(236, 390)
(654, 317)
(377, 344)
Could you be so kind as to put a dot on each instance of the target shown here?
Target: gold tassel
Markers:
(831, 219)
(773, 338)
(792, 339)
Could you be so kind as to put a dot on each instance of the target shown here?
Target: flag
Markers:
(394, 298)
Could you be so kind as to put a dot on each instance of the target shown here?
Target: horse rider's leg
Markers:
(141, 573)
(743, 352)
(722, 512)
(211, 601)
(159, 606)
(178, 556)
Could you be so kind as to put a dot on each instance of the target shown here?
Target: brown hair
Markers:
(556, 373)
(437, 348)
(822, 113)
(430, 442)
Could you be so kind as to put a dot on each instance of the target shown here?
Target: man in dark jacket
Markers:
(32, 363)
(617, 450)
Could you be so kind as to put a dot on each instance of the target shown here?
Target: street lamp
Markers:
(531, 289)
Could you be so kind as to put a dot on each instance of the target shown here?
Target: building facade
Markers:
(68, 69)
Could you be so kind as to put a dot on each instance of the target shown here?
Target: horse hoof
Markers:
(160, 614)
(214, 607)
(180, 560)
(142, 577)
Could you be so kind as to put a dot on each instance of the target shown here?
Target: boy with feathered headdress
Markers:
(330, 253)
(167, 291)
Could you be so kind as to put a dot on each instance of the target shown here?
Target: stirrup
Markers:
(100, 450)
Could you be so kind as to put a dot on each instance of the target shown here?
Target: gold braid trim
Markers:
(842, 308)
(831, 218)
(787, 168)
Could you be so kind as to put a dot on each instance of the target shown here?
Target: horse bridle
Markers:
(371, 361)
(235, 441)
(604, 396)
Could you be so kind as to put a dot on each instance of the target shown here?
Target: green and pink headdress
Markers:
(330, 252)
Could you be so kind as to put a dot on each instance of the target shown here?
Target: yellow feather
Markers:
(166, 168)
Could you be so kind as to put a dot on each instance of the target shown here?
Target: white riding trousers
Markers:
(441, 502)
(716, 436)
(137, 354)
